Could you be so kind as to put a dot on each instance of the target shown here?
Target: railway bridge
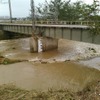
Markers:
(78, 31)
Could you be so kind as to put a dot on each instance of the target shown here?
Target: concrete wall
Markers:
(58, 33)
(66, 33)
(76, 34)
(52, 32)
(47, 32)
(86, 37)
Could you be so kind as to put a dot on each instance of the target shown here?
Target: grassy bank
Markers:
(90, 92)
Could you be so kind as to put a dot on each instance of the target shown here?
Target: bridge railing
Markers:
(54, 22)
(61, 22)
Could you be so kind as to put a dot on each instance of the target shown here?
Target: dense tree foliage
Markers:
(66, 10)
(95, 18)
(57, 10)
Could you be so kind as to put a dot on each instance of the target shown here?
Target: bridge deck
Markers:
(72, 32)
(49, 25)
(64, 26)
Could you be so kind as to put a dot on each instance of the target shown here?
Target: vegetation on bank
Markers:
(7, 61)
(10, 92)
(91, 91)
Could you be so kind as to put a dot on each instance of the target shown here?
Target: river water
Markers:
(55, 69)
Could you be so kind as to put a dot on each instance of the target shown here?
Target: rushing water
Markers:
(95, 63)
(55, 71)
(20, 49)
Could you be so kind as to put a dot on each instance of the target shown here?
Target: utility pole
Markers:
(33, 16)
(33, 39)
(56, 11)
(10, 11)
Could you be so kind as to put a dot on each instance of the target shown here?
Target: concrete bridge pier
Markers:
(33, 44)
(42, 44)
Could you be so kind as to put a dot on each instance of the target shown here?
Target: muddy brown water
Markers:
(19, 49)
(42, 77)
(57, 75)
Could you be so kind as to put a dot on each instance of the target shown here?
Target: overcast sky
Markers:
(21, 8)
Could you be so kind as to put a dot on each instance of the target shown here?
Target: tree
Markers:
(73, 11)
(43, 10)
(66, 10)
(63, 10)
(94, 17)
(52, 10)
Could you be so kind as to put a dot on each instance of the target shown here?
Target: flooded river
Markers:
(46, 76)
(55, 69)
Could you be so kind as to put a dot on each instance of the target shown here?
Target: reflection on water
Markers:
(44, 76)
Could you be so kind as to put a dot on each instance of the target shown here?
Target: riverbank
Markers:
(90, 92)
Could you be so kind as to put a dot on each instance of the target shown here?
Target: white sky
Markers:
(21, 8)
